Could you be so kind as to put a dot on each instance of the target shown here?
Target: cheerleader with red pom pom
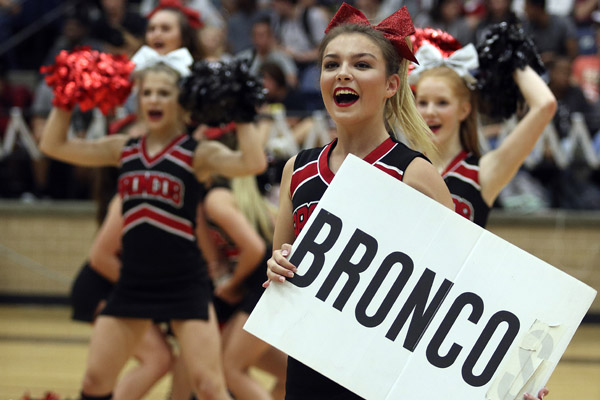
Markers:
(170, 27)
(160, 277)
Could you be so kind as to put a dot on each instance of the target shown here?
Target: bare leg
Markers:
(243, 350)
(155, 360)
(274, 361)
(181, 389)
(113, 341)
(201, 352)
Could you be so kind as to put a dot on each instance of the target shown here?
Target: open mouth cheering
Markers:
(155, 115)
(344, 97)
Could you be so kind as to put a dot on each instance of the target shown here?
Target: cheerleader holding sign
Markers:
(364, 88)
(163, 277)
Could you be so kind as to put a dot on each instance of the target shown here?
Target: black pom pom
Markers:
(504, 48)
(218, 92)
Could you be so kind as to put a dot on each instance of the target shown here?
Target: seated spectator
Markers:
(278, 91)
(570, 188)
(583, 11)
(75, 32)
(560, 7)
(27, 31)
(370, 8)
(586, 68)
(210, 15)
(298, 106)
(299, 30)
(553, 35)
(495, 11)
(11, 95)
(570, 98)
(448, 15)
(8, 10)
(414, 7)
(214, 43)
(15, 170)
(264, 50)
(53, 178)
(119, 29)
(241, 22)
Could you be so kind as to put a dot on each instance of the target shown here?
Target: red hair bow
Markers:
(395, 28)
(193, 16)
(445, 42)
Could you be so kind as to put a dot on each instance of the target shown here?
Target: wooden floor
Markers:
(41, 350)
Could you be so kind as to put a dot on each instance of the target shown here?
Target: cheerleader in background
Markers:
(170, 27)
(447, 99)
(92, 287)
(241, 223)
(160, 278)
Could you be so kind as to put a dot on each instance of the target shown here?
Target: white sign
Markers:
(398, 297)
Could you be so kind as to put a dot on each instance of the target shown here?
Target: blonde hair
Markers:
(401, 114)
(403, 118)
(257, 210)
(468, 130)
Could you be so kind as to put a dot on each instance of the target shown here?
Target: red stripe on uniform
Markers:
(145, 212)
(302, 175)
(186, 158)
(380, 151)
(454, 163)
(389, 171)
(159, 155)
(469, 173)
(132, 151)
(323, 164)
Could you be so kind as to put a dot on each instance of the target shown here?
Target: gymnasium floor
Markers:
(41, 350)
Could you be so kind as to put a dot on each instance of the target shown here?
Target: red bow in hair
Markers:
(193, 16)
(395, 28)
(445, 42)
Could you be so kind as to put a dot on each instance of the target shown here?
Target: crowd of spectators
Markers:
(280, 39)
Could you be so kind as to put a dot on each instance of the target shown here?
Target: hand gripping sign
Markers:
(398, 297)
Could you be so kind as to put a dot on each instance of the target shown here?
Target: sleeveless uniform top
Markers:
(310, 179)
(163, 275)
(462, 178)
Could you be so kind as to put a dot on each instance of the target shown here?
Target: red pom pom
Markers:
(89, 78)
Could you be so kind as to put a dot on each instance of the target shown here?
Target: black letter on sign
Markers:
(433, 349)
(318, 250)
(489, 370)
(364, 302)
(422, 317)
(343, 265)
